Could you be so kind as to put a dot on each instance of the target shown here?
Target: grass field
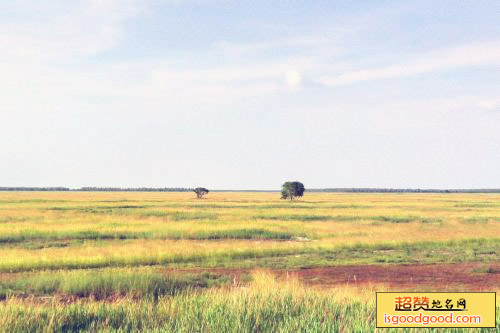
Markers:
(234, 261)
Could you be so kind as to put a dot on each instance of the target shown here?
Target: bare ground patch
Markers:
(446, 277)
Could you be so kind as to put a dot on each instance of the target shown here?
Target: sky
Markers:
(249, 94)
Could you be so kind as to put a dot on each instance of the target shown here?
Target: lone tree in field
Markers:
(291, 190)
(200, 192)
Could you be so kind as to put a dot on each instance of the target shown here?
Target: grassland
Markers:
(166, 261)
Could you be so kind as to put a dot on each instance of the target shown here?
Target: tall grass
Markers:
(102, 284)
(266, 306)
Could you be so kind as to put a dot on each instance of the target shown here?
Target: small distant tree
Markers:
(291, 190)
(200, 192)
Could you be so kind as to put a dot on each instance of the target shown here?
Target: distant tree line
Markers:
(408, 190)
(99, 189)
(134, 189)
(34, 189)
(183, 189)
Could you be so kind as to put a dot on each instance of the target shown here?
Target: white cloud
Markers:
(68, 30)
(47, 62)
(304, 42)
(438, 60)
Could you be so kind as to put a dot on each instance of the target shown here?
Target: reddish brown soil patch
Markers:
(445, 277)
(463, 277)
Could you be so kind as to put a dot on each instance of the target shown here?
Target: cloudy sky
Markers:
(248, 94)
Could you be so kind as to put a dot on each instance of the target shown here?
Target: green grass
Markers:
(304, 218)
(138, 210)
(45, 244)
(103, 284)
(348, 218)
(382, 253)
(197, 313)
(480, 219)
(18, 219)
(298, 205)
(246, 311)
(70, 235)
(220, 206)
(31, 201)
(485, 204)
(476, 250)
(94, 208)
(242, 234)
(178, 216)
(405, 219)
(201, 258)
(251, 233)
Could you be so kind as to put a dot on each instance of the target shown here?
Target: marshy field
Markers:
(234, 262)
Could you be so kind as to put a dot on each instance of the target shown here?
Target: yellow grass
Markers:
(334, 220)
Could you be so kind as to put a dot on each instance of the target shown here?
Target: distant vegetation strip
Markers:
(182, 189)
(350, 218)
(408, 190)
(136, 210)
(305, 256)
(103, 235)
(99, 189)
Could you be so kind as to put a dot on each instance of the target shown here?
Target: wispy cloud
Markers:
(52, 55)
(438, 60)
(78, 28)
(305, 42)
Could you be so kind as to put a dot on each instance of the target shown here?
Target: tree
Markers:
(290, 190)
(200, 192)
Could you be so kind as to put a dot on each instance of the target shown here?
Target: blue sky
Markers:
(249, 94)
